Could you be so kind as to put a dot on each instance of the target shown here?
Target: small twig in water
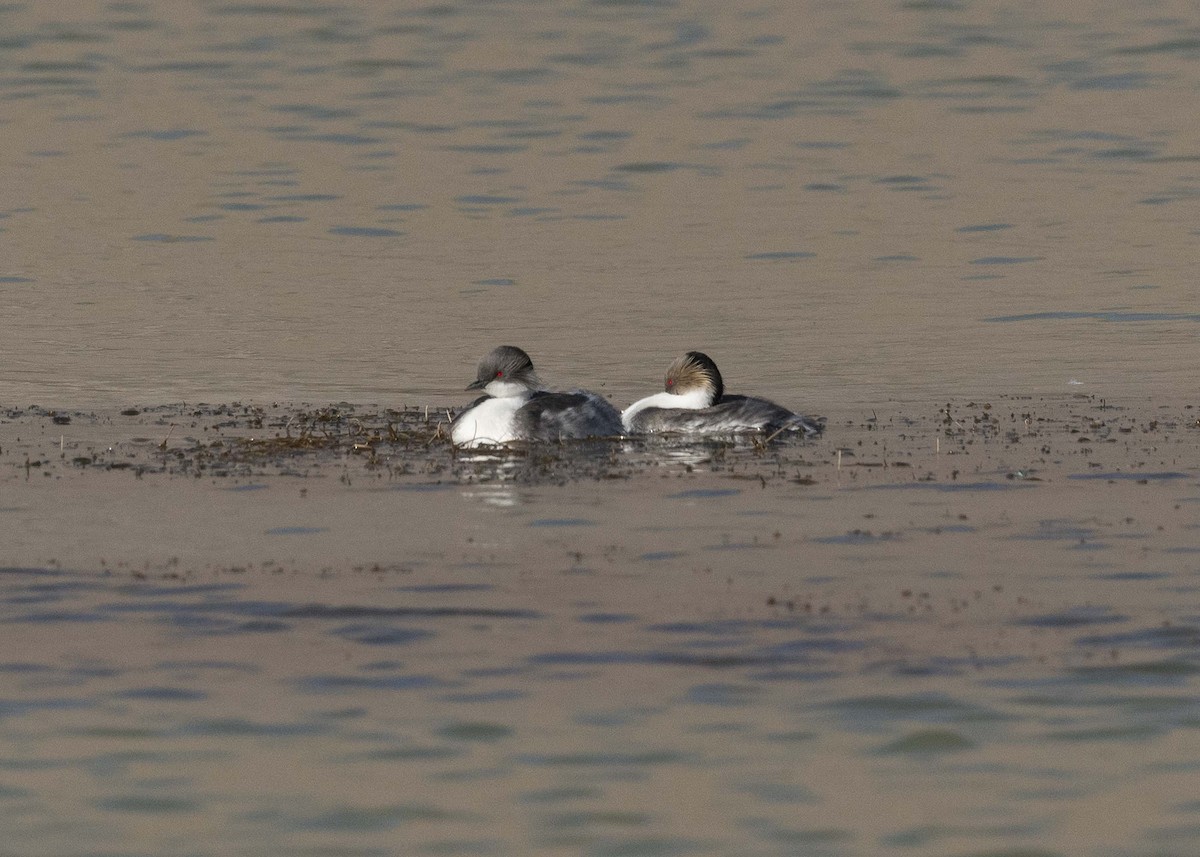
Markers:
(775, 434)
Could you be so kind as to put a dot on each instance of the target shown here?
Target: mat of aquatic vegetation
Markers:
(1012, 438)
(350, 441)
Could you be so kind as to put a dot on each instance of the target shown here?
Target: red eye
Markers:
(670, 382)
(499, 373)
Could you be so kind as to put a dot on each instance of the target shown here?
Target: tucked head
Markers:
(695, 371)
(505, 371)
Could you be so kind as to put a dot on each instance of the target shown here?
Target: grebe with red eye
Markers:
(516, 407)
(694, 402)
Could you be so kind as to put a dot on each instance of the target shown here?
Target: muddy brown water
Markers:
(265, 629)
(962, 622)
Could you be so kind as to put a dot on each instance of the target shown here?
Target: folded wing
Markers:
(562, 416)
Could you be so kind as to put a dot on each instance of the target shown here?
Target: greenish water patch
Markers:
(780, 256)
(704, 493)
(365, 232)
(359, 819)
(166, 238)
(1005, 260)
(1108, 315)
(929, 741)
(476, 731)
(147, 804)
(984, 227)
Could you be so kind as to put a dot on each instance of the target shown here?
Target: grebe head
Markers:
(505, 371)
(695, 371)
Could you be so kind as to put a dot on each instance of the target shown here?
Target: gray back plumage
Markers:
(562, 416)
(732, 415)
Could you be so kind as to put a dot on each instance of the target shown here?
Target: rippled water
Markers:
(325, 201)
(363, 643)
(421, 718)
(845, 204)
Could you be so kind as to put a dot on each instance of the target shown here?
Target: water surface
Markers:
(281, 631)
(963, 623)
(304, 201)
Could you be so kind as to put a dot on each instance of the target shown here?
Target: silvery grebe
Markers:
(516, 407)
(695, 402)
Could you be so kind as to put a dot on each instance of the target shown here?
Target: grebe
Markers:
(516, 407)
(695, 402)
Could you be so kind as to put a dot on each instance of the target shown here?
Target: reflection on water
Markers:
(503, 495)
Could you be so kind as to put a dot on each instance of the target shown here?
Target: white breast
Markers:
(489, 422)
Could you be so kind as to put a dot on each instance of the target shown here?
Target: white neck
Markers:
(505, 389)
(692, 400)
